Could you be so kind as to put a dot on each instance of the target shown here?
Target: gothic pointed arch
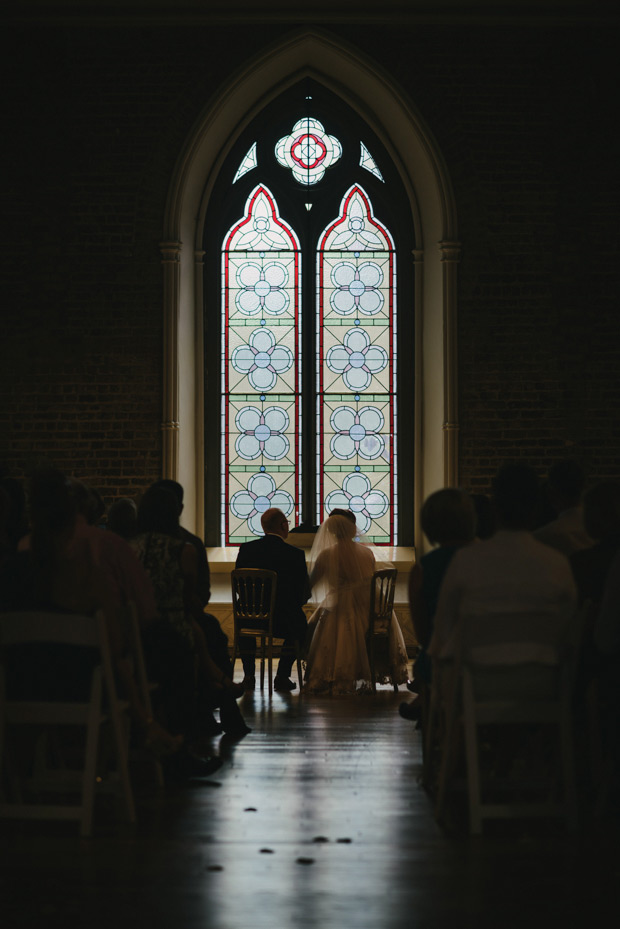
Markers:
(393, 118)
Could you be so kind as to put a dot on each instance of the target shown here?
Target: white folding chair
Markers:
(145, 686)
(102, 705)
(509, 668)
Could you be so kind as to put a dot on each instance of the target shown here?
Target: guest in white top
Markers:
(567, 533)
(511, 571)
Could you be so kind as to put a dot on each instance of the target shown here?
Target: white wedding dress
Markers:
(337, 659)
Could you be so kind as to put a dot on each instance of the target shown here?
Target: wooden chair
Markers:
(509, 668)
(102, 706)
(253, 600)
(380, 616)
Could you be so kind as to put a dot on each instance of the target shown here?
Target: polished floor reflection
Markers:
(316, 819)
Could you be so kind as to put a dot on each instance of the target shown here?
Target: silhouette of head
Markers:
(448, 517)
(274, 522)
(516, 493)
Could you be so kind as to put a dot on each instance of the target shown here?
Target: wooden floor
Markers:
(316, 819)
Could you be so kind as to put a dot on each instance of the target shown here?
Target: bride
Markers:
(340, 572)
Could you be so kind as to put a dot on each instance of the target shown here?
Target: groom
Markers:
(292, 591)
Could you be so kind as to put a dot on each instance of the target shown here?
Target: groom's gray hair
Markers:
(272, 519)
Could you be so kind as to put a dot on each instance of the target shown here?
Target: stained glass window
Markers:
(261, 369)
(304, 224)
(356, 369)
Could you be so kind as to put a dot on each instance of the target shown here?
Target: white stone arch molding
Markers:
(369, 90)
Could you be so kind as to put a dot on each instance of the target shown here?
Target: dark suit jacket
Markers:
(293, 588)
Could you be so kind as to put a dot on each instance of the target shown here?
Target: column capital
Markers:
(170, 251)
(450, 251)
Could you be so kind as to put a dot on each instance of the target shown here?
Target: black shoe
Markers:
(236, 732)
(283, 684)
(410, 711)
(249, 682)
(413, 687)
(209, 726)
(185, 764)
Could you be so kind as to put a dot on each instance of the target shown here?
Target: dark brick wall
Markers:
(93, 121)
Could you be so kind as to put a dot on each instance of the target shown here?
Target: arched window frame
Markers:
(387, 197)
(393, 116)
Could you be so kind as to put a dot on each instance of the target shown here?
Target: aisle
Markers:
(315, 820)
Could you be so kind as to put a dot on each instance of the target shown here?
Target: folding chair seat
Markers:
(101, 706)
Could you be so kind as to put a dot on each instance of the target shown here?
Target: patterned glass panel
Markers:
(261, 369)
(308, 151)
(248, 163)
(368, 162)
(356, 369)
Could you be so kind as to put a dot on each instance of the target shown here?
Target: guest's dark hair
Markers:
(567, 478)
(52, 514)
(516, 492)
(158, 511)
(88, 500)
(448, 517)
(601, 509)
(123, 517)
(16, 524)
(174, 487)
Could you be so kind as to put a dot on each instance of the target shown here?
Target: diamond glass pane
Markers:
(356, 370)
(261, 370)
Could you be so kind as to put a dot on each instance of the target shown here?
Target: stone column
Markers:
(171, 252)
(450, 256)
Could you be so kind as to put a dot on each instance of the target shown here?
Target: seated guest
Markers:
(216, 638)
(60, 570)
(6, 548)
(511, 571)
(126, 578)
(566, 533)
(448, 520)
(601, 514)
(123, 518)
(607, 629)
(293, 590)
(176, 647)
(592, 566)
(16, 519)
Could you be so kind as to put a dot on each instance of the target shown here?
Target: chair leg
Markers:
(471, 754)
(270, 664)
(371, 662)
(90, 759)
(262, 663)
(121, 756)
(568, 771)
(299, 670)
(447, 747)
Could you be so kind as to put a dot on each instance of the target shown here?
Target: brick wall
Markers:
(94, 121)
